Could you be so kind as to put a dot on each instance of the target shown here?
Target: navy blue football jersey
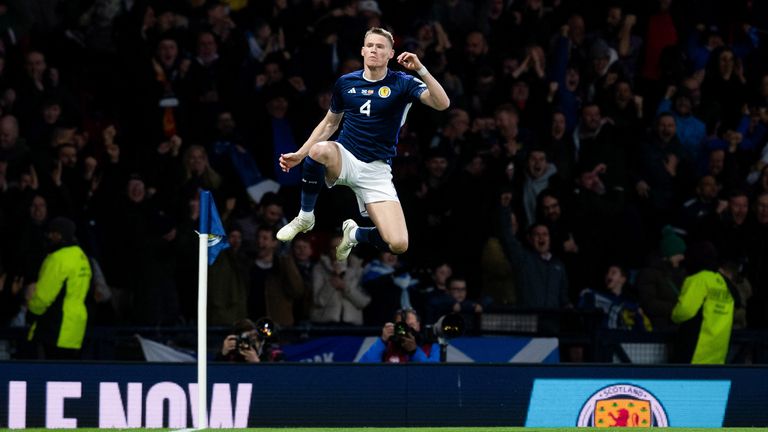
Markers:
(373, 112)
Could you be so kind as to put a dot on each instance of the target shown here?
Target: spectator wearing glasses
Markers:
(454, 301)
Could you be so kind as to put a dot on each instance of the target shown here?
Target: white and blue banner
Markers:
(502, 349)
(324, 349)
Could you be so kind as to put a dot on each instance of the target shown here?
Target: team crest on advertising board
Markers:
(384, 92)
(622, 405)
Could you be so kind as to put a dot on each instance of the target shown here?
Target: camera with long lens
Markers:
(448, 327)
(260, 337)
(266, 334)
(266, 330)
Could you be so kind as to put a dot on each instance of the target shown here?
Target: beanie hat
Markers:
(671, 243)
(63, 226)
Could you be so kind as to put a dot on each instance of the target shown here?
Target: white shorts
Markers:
(371, 181)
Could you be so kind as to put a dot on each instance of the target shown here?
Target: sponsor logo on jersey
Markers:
(384, 92)
(366, 92)
(622, 405)
(352, 91)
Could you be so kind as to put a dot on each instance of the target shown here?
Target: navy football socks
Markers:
(371, 236)
(311, 181)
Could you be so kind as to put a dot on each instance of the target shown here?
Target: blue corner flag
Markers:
(210, 223)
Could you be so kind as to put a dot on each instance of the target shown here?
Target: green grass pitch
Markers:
(426, 429)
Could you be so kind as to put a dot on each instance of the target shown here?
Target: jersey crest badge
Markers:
(384, 92)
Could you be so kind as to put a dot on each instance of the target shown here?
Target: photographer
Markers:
(250, 343)
(402, 342)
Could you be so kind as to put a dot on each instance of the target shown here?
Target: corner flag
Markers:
(210, 224)
(211, 240)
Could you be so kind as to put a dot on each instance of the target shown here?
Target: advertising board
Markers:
(132, 395)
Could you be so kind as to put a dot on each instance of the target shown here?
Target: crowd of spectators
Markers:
(584, 138)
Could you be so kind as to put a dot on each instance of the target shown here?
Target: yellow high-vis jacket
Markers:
(59, 299)
(708, 291)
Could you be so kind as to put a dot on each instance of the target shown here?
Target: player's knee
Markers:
(399, 246)
(322, 151)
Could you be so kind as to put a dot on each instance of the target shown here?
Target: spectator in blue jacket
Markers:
(691, 131)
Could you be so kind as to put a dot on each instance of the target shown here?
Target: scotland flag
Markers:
(210, 223)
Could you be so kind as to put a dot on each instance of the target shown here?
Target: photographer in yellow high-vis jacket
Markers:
(57, 307)
(705, 308)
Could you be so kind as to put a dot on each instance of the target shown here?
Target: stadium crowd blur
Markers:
(589, 145)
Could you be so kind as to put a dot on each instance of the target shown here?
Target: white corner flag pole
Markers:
(202, 333)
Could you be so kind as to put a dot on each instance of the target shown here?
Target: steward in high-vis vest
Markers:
(704, 311)
(57, 307)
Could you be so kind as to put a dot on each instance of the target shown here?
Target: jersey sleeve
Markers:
(337, 101)
(414, 87)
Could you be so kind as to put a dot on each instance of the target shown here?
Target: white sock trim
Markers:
(352, 235)
(307, 215)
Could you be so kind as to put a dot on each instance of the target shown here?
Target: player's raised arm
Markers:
(322, 132)
(435, 95)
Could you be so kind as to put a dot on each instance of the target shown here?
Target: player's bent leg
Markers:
(313, 175)
(323, 162)
(328, 154)
(390, 223)
(398, 245)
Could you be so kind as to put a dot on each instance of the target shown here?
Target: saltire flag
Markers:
(210, 223)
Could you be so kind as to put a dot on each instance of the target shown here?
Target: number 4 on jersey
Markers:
(366, 108)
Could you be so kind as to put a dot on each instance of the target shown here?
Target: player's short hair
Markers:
(381, 32)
